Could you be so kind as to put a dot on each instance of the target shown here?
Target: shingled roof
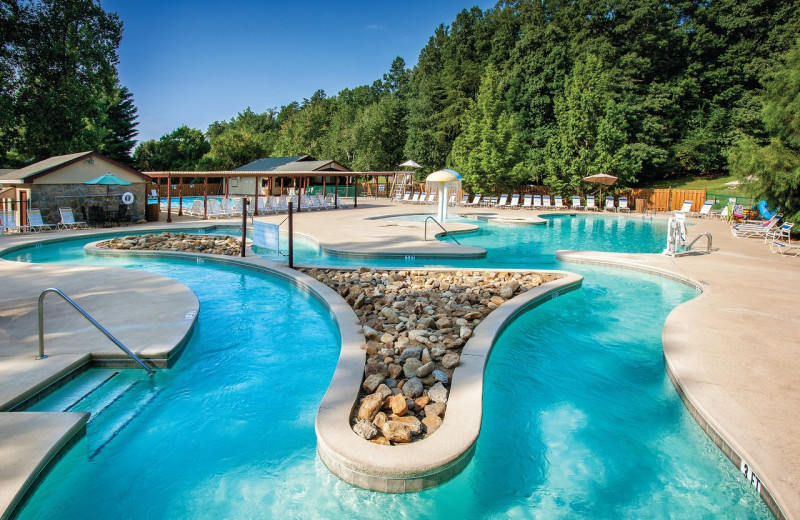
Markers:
(37, 169)
(298, 163)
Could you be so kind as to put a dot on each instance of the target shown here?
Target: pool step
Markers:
(127, 414)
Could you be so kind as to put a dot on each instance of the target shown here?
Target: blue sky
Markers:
(196, 62)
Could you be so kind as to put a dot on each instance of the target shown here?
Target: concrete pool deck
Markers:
(732, 352)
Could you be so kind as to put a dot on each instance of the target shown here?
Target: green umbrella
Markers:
(108, 179)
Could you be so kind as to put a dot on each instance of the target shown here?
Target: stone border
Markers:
(435, 459)
(732, 450)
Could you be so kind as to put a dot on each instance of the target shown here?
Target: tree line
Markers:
(529, 91)
(59, 88)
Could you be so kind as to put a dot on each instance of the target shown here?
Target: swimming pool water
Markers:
(580, 419)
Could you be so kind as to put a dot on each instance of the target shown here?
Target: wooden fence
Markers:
(698, 197)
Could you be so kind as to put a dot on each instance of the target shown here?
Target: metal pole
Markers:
(291, 236)
(258, 188)
(169, 200)
(205, 198)
(355, 193)
(245, 202)
(180, 196)
(299, 191)
(336, 197)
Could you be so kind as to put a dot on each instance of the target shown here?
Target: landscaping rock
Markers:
(365, 429)
(438, 393)
(396, 431)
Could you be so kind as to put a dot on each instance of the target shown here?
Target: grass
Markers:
(714, 184)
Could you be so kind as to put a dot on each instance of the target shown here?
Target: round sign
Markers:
(127, 198)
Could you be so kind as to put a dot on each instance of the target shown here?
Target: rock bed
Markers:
(214, 244)
(416, 323)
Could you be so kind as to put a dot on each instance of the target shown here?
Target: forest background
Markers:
(530, 91)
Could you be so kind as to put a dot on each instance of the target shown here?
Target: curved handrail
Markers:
(446, 233)
(91, 320)
(704, 234)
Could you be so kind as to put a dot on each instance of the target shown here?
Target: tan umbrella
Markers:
(603, 179)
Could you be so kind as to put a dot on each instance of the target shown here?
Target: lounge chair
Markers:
(722, 215)
(537, 202)
(559, 202)
(782, 233)
(406, 197)
(527, 201)
(415, 197)
(546, 202)
(490, 201)
(785, 248)
(622, 204)
(68, 220)
(687, 207)
(8, 223)
(705, 211)
(503, 200)
(745, 230)
(475, 201)
(610, 204)
(514, 204)
(465, 200)
(590, 205)
(431, 198)
(576, 203)
(35, 222)
(452, 201)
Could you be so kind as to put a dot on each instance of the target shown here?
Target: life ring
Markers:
(127, 198)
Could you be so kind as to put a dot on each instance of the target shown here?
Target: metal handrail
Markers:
(99, 327)
(704, 234)
(446, 233)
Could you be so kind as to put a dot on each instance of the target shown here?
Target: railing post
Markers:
(245, 202)
(291, 236)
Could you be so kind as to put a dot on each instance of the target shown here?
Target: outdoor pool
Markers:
(580, 419)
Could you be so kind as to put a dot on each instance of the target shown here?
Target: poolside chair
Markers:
(465, 200)
(576, 202)
(705, 211)
(590, 205)
(559, 203)
(514, 204)
(452, 201)
(431, 197)
(686, 208)
(537, 202)
(610, 204)
(527, 201)
(227, 209)
(68, 220)
(475, 201)
(195, 210)
(546, 202)
(35, 222)
(782, 233)
(785, 248)
(8, 223)
(723, 215)
(415, 197)
(622, 205)
(503, 200)
(489, 201)
(406, 197)
(745, 230)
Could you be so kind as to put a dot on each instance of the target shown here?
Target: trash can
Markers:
(151, 212)
(640, 207)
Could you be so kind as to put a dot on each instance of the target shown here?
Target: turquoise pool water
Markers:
(580, 419)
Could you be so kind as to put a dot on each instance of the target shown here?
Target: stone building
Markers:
(58, 182)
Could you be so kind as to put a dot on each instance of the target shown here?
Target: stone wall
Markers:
(49, 197)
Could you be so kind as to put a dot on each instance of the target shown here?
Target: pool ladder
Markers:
(698, 237)
(91, 320)
(446, 233)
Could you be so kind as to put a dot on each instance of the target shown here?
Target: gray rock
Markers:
(465, 333)
(437, 393)
(371, 382)
(384, 391)
(425, 369)
(436, 409)
(426, 356)
(411, 366)
(506, 292)
(371, 333)
(443, 323)
(365, 429)
(390, 315)
(451, 360)
(438, 375)
(411, 352)
(413, 388)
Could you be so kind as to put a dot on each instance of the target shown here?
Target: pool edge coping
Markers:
(723, 439)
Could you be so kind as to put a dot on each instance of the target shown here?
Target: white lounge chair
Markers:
(35, 222)
(576, 202)
(431, 198)
(406, 197)
(783, 233)
(452, 201)
(415, 197)
(785, 248)
(590, 205)
(622, 205)
(503, 200)
(687, 207)
(465, 200)
(68, 220)
(475, 201)
(745, 230)
(546, 202)
(514, 204)
(537, 202)
(558, 203)
(705, 211)
(527, 201)
(610, 204)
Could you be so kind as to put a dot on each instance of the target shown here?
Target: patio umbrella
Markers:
(410, 164)
(108, 179)
(603, 179)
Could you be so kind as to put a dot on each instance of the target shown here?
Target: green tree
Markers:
(776, 164)
(243, 139)
(180, 150)
(121, 121)
(489, 151)
(592, 134)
